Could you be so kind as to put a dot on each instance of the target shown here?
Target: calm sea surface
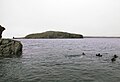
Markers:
(61, 60)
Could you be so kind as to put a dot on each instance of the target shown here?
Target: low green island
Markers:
(53, 35)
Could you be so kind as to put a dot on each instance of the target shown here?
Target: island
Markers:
(53, 35)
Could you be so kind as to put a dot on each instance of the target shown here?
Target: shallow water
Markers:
(61, 60)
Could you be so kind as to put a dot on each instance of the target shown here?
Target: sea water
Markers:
(61, 60)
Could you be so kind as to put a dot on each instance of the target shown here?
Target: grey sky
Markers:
(87, 17)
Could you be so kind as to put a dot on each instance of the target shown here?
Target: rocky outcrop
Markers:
(1, 30)
(53, 34)
(10, 48)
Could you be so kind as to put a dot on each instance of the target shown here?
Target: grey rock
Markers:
(10, 48)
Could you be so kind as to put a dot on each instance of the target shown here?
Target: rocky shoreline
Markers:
(8, 47)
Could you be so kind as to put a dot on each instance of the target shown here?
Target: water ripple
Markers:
(61, 60)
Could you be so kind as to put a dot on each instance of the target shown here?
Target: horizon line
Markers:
(83, 37)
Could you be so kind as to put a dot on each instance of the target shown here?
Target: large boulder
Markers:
(1, 30)
(10, 48)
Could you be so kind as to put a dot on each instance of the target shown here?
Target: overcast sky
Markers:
(87, 17)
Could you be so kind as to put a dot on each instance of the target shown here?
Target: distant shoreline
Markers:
(99, 37)
(59, 35)
(67, 38)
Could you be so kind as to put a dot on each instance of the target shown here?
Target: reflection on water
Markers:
(59, 60)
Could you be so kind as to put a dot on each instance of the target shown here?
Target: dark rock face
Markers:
(10, 48)
(1, 30)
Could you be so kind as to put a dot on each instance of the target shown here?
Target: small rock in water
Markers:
(113, 59)
(83, 53)
(115, 56)
(98, 55)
